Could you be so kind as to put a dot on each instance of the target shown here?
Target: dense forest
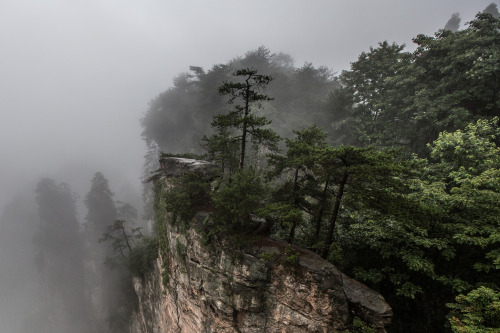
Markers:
(390, 170)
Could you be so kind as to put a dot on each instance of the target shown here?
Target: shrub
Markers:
(187, 193)
(236, 200)
(142, 257)
(478, 311)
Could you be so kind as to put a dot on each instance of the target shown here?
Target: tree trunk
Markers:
(291, 236)
(321, 209)
(245, 122)
(333, 219)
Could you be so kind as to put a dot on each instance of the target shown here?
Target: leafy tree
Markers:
(360, 109)
(321, 184)
(394, 98)
(462, 86)
(468, 165)
(300, 99)
(361, 179)
(260, 58)
(435, 232)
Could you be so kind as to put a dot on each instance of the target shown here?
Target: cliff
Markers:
(269, 287)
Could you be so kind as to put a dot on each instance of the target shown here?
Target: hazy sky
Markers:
(77, 75)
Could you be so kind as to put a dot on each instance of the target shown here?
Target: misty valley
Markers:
(282, 198)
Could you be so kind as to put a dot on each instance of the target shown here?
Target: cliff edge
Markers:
(197, 287)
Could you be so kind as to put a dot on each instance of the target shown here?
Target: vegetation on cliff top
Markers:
(399, 186)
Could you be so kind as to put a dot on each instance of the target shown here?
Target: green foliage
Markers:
(269, 256)
(362, 114)
(179, 117)
(187, 194)
(364, 179)
(395, 98)
(469, 152)
(165, 278)
(468, 165)
(476, 312)
(282, 215)
(222, 147)
(419, 231)
(360, 326)
(235, 202)
(143, 256)
(434, 225)
(298, 183)
(334, 252)
(134, 252)
(291, 256)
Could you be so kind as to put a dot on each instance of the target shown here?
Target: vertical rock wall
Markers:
(218, 290)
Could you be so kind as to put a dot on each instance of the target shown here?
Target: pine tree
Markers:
(242, 123)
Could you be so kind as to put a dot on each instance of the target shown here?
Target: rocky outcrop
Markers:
(270, 287)
(176, 166)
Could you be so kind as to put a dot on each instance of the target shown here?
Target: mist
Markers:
(77, 78)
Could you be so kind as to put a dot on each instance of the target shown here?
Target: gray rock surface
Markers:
(216, 289)
(176, 166)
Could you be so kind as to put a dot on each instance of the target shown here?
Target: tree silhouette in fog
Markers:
(60, 258)
(100, 205)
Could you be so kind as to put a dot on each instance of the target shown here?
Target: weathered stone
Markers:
(213, 290)
(176, 166)
(369, 305)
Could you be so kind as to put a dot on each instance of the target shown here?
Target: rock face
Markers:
(203, 288)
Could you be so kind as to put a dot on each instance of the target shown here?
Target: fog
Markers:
(76, 77)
